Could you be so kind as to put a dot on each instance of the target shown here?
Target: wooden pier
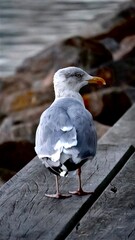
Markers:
(109, 213)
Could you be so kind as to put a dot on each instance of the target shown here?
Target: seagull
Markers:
(66, 137)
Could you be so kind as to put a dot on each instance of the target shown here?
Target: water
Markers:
(28, 26)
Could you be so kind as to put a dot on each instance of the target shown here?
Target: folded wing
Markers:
(66, 129)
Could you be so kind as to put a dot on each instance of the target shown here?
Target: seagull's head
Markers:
(73, 79)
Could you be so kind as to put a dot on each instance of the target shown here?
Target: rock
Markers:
(16, 131)
(130, 92)
(2, 116)
(21, 125)
(130, 55)
(118, 73)
(110, 43)
(107, 106)
(15, 155)
(128, 12)
(5, 175)
(115, 104)
(120, 27)
(126, 49)
(76, 51)
(21, 100)
(93, 102)
(20, 82)
(29, 92)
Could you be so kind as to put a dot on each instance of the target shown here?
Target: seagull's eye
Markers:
(78, 75)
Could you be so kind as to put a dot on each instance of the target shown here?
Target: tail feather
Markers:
(59, 169)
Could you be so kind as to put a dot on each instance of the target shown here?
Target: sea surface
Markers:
(28, 26)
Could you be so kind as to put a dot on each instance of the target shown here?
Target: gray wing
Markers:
(66, 127)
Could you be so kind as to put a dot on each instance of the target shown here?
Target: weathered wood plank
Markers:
(113, 215)
(123, 131)
(25, 212)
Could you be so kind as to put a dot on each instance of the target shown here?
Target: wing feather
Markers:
(66, 127)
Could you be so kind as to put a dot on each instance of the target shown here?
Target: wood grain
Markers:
(113, 215)
(25, 212)
(123, 131)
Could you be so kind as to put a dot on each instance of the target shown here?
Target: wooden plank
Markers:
(113, 215)
(25, 212)
(123, 132)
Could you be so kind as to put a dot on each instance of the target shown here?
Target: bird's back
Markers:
(66, 132)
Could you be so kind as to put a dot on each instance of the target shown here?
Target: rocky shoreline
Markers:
(29, 91)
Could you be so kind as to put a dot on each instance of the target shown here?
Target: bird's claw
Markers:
(58, 196)
(80, 192)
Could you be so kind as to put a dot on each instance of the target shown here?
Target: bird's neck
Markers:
(69, 94)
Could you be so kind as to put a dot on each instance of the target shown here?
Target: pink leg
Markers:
(57, 194)
(80, 191)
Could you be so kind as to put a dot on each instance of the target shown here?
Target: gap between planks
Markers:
(93, 198)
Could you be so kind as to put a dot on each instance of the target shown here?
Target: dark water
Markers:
(27, 26)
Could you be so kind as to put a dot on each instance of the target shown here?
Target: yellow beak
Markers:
(97, 80)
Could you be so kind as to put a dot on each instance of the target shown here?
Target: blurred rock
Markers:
(118, 73)
(15, 155)
(76, 51)
(127, 12)
(21, 125)
(126, 49)
(29, 92)
(93, 102)
(130, 92)
(115, 104)
(5, 175)
(122, 25)
(130, 55)
(110, 43)
(107, 106)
